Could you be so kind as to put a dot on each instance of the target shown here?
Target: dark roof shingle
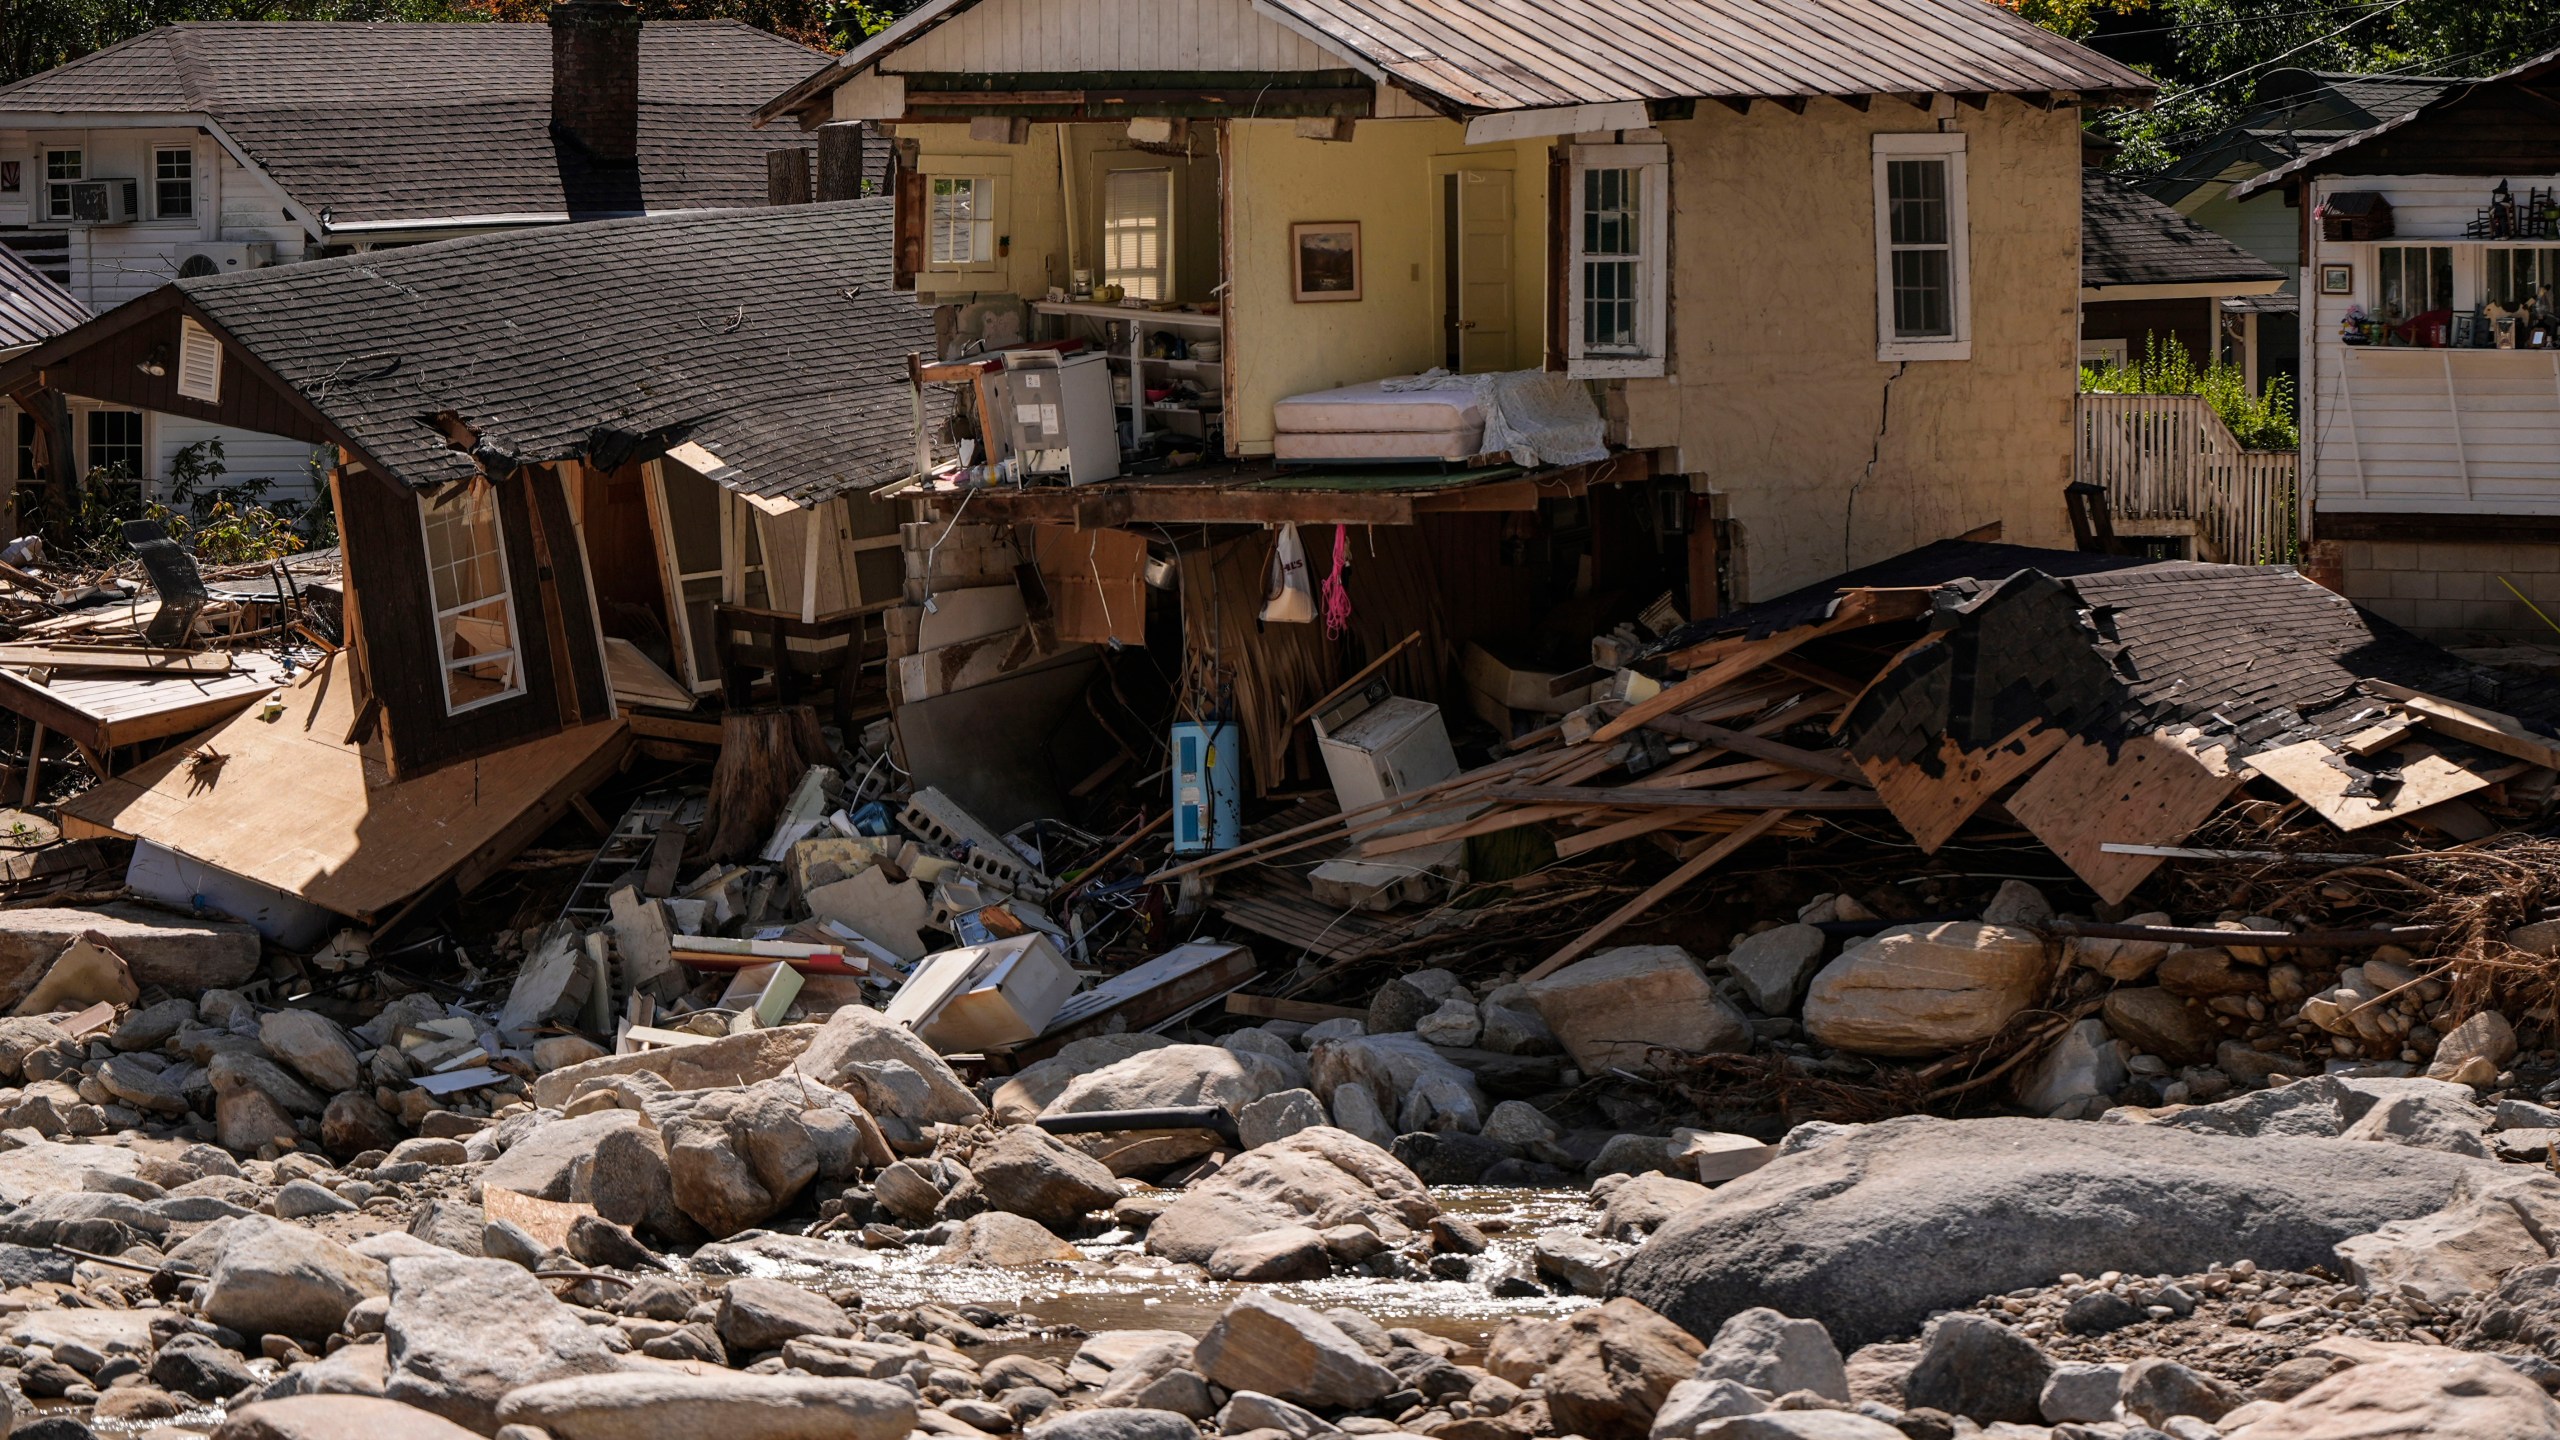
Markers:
(771, 337)
(426, 122)
(2128, 238)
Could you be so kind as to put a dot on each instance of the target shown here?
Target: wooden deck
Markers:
(100, 710)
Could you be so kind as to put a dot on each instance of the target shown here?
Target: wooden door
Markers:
(1476, 268)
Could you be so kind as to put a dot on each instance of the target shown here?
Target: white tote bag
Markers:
(1286, 595)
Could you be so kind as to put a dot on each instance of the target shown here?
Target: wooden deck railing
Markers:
(2169, 457)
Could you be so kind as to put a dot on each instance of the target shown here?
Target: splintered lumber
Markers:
(1742, 742)
(1629, 829)
(718, 952)
(1629, 797)
(1934, 802)
(1272, 1007)
(2150, 790)
(1856, 610)
(2487, 729)
(1317, 832)
(2426, 778)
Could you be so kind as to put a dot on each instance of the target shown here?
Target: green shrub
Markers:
(2261, 422)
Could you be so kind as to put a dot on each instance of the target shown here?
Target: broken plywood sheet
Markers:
(1933, 807)
(639, 682)
(2307, 772)
(2151, 790)
(886, 912)
(292, 805)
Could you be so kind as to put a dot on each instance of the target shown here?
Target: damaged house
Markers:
(585, 478)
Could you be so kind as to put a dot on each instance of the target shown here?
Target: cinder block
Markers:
(2412, 584)
(2394, 555)
(2359, 555)
(2534, 559)
(2398, 612)
(2492, 616)
(2465, 585)
(2436, 616)
(2436, 555)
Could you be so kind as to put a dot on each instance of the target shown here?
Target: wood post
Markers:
(840, 156)
(786, 177)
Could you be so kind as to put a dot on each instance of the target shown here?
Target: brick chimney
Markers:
(595, 77)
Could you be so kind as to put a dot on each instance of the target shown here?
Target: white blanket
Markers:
(1537, 417)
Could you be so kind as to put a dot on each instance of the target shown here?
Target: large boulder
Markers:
(463, 1333)
(1873, 1231)
(271, 1278)
(745, 1059)
(184, 955)
(1927, 989)
(1765, 1350)
(1612, 1010)
(555, 1159)
(1175, 1076)
(1275, 1348)
(669, 1406)
(1430, 1091)
(1318, 1178)
(1029, 1171)
(336, 1417)
(1972, 1365)
(1003, 1241)
(1020, 1099)
(1612, 1368)
(2424, 1397)
(862, 1051)
(1774, 965)
(736, 1158)
(314, 1046)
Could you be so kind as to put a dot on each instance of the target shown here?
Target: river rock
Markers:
(2123, 960)
(1007, 1241)
(1430, 1091)
(1974, 1366)
(336, 1417)
(1356, 1110)
(631, 1184)
(552, 1160)
(855, 1039)
(2486, 1037)
(1292, 1352)
(1318, 1178)
(2155, 1022)
(1403, 1000)
(1767, 1351)
(736, 1158)
(1881, 1226)
(2156, 1389)
(1639, 1206)
(1277, 1117)
(2084, 1064)
(152, 1026)
(1581, 1265)
(1608, 1370)
(1030, 1172)
(758, 1315)
(1774, 965)
(185, 955)
(2429, 1121)
(2438, 1394)
(1020, 1099)
(1926, 989)
(2451, 1254)
(1159, 1378)
(231, 1071)
(464, 1333)
(1613, 1009)
(1694, 1402)
(273, 1278)
(1114, 1425)
(314, 1046)
(749, 1059)
(1253, 1410)
(644, 1405)
(1174, 1076)
(1289, 1252)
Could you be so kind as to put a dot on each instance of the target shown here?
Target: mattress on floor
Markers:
(1368, 409)
(1454, 444)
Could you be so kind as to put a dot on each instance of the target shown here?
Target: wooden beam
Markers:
(1272, 1007)
(1656, 893)
(2488, 729)
(1628, 797)
(1833, 763)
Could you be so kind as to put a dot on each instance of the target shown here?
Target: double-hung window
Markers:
(1137, 232)
(2520, 274)
(61, 168)
(960, 222)
(1924, 284)
(173, 183)
(2412, 280)
(1617, 272)
(115, 443)
(475, 608)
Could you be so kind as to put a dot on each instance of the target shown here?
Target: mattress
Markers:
(1458, 443)
(1369, 410)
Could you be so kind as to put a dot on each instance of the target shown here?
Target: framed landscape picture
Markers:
(2337, 279)
(1325, 260)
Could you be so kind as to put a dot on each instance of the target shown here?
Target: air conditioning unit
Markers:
(224, 257)
(105, 202)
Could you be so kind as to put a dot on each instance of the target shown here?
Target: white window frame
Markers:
(163, 152)
(57, 190)
(1651, 354)
(1949, 147)
(1138, 278)
(505, 595)
(992, 176)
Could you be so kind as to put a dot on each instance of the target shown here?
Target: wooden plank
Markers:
(1628, 797)
(1856, 610)
(1272, 1007)
(2488, 729)
(1641, 825)
(1934, 805)
(2426, 778)
(62, 656)
(1833, 763)
(1149, 995)
(1656, 893)
(685, 732)
(2150, 791)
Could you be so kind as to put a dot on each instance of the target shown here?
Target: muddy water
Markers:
(1122, 1288)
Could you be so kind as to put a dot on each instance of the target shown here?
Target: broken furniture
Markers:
(825, 653)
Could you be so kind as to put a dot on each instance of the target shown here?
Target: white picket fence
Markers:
(2169, 457)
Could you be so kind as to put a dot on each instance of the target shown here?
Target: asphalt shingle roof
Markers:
(32, 308)
(387, 122)
(771, 337)
(2128, 238)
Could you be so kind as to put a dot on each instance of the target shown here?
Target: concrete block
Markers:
(2413, 585)
(175, 952)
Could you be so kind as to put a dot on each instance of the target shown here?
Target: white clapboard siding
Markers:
(1104, 35)
(246, 455)
(2169, 457)
(2423, 430)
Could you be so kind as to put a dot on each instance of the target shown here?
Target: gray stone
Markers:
(1455, 1158)
(1021, 1098)
(2155, 1022)
(1457, 1022)
(1289, 1252)
(1581, 1265)
(1614, 1009)
(2157, 1389)
(1694, 1402)
(1253, 1410)
(1277, 1117)
(757, 1315)
(2486, 1036)
(1029, 1171)
(463, 1334)
(854, 1038)
(1113, 1425)
(152, 1026)
(184, 955)
(1174, 1076)
(1292, 1352)
(1005, 1241)
(2101, 1312)
(659, 1405)
(2441, 1393)
(1404, 1000)
(1355, 1110)
(2085, 1063)
(1875, 1230)
(1518, 1126)
(2017, 902)
(275, 1278)
(1974, 1366)
(2079, 1391)
(314, 1046)
(553, 1160)
(1427, 1089)
(336, 1417)
(1642, 1205)
(1159, 1378)
(1514, 1029)
(232, 1071)
(1803, 1425)
(2429, 1122)
(749, 1059)
(1926, 989)
(1767, 1351)
(1317, 1178)
(1775, 965)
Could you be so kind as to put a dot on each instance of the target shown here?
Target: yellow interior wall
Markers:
(1824, 457)
(1031, 217)
(1383, 178)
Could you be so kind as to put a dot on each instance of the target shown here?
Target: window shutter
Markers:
(911, 205)
(199, 363)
